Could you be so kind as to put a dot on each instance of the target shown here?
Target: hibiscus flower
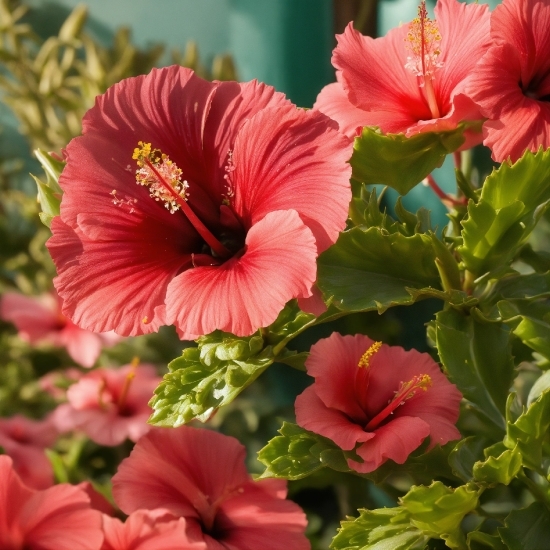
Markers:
(110, 405)
(379, 400)
(24, 440)
(58, 518)
(411, 80)
(39, 319)
(147, 530)
(511, 83)
(201, 475)
(194, 203)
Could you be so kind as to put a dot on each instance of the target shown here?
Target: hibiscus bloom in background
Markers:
(201, 475)
(147, 530)
(110, 405)
(58, 518)
(185, 200)
(24, 440)
(380, 400)
(39, 319)
(511, 84)
(411, 80)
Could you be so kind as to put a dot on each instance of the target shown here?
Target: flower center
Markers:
(164, 180)
(123, 395)
(406, 391)
(423, 42)
(362, 374)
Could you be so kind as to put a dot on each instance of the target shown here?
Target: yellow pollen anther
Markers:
(145, 320)
(163, 178)
(365, 358)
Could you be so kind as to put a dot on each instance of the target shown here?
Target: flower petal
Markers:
(247, 292)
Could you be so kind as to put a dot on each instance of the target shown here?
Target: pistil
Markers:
(362, 375)
(406, 391)
(121, 402)
(163, 178)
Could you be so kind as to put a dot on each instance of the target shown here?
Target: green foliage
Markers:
(438, 510)
(384, 529)
(398, 161)
(369, 269)
(529, 431)
(501, 465)
(478, 359)
(466, 453)
(513, 199)
(527, 528)
(49, 192)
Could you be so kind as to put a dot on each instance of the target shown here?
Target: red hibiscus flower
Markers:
(511, 83)
(147, 530)
(380, 400)
(201, 475)
(58, 518)
(411, 80)
(110, 405)
(39, 319)
(24, 440)
(195, 203)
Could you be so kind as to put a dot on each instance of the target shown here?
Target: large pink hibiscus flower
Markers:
(58, 518)
(411, 80)
(201, 475)
(195, 203)
(511, 83)
(380, 400)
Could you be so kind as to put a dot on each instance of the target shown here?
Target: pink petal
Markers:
(333, 101)
(313, 415)
(301, 161)
(60, 518)
(247, 292)
(179, 469)
(396, 440)
(83, 346)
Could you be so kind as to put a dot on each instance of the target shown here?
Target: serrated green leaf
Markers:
(208, 377)
(52, 167)
(539, 387)
(465, 454)
(50, 202)
(290, 322)
(384, 529)
(516, 286)
(501, 465)
(372, 270)
(530, 321)
(294, 454)
(513, 199)
(398, 161)
(482, 541)
(438, 510)
(527, 529)
(478, 359)
(529, 431)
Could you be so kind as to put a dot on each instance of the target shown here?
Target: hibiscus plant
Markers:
(269, 237)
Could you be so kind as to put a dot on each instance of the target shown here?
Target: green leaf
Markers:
(372, 270)
(465, 454)
(49, 192)
(384, 529)
(533, 285)
(207, 377)
(513, 199)
(527, 529)
(530, 321)
(478, 359)
(398, 161)
(501, 465)
(296, 453)
(529, 431)
(438, 510)
(482, 541)
(289, 323)
(539, 387)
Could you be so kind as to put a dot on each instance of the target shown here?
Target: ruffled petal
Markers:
(313, 415)
(394, 441)
(293, 159)
(247, 292)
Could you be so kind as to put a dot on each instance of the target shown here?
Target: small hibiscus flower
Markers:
(201, 475)
(110, 405)
(58, 518)
(511, 83)
(39, 319)
(147, 530)
(411, 80)
(24, 440)
(379, 400)
(194, 203)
